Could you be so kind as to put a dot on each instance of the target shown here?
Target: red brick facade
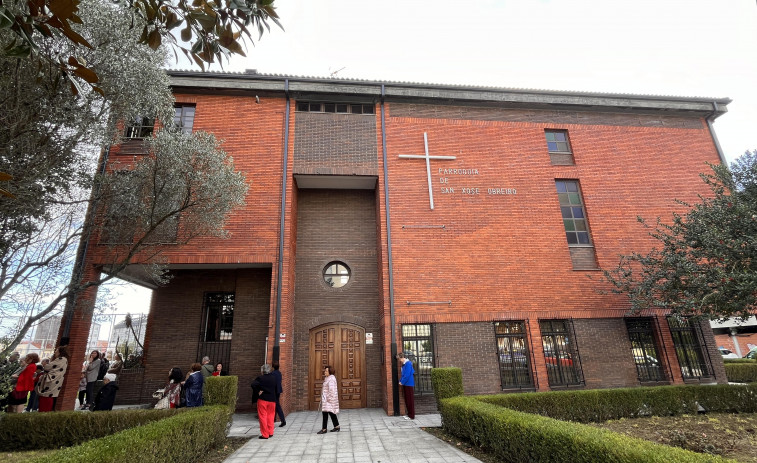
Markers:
(492, 249)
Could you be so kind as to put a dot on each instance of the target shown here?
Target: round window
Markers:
(336, 274)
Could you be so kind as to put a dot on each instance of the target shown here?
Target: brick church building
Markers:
(464, 226)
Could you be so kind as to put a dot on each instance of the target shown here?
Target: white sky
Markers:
(672, 47)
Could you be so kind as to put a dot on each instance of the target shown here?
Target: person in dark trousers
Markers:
(277, 374)
(107, 394)
(407, 381)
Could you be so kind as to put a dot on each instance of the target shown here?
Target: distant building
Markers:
(465, 226)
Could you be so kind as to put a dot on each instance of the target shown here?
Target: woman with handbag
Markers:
(24, 384)
(50, 383)
(170, 396)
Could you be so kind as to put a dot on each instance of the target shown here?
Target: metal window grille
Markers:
(560, 353)
(218, 321)
(687, 338)
(418, 347)
(513, 355)
(646, 356)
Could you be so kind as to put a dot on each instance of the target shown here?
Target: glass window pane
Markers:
(550, 136)
(580, 225)
(572, 186)
(552, 146)
(357, 109)
(563, 197)
(302, 106)
(561, 188)
(368, 109)
(578, 212)
(559, 136)
(566, 214)
(329, 108)
(569, 225)
(583, 238)
(341, 108)
(574, 198)
(315, 107)
(571, 238)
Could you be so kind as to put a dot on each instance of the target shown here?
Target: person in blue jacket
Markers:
(193, 386)
(407, 381)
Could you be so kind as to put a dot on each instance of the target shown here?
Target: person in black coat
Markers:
(265, 388)
(277, 374)
(107, 394)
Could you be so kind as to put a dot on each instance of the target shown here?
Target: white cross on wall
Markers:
(428, 166)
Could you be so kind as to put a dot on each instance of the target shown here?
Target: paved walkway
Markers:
(367, 436)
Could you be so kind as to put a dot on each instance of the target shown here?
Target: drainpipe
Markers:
(81, 254)
(395, 377)
(733, 332)
(708, 119)
(277, 324)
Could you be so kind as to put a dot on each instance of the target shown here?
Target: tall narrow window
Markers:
(512, 351)
(576, 225)
(184, 117)
(573, 213)
(560, 354)
(219, 316)
(558, 147)
(218, 321)
(141, 127)
(687, 339)
(644, 349)
(418, 346)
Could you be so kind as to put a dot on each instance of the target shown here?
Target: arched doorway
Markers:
(342, 346)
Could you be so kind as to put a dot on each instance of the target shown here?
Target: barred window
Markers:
(219, 316)
(646, 356)
(573, 212)
(418, 347)
(560, 354)
(512, 353)
(688, 341)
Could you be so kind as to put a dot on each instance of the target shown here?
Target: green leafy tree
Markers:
(50, 139)
(212, 29)
(706, 264)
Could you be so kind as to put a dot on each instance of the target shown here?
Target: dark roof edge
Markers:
(701, 106)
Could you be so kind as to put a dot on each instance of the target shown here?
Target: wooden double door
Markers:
(342, 346)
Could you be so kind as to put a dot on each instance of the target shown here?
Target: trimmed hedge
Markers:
(185, 437)
(37, 431)
(516, 437)
(597, 405)
(752, 361)
(741, 372)
(447, 382)
(221, 390)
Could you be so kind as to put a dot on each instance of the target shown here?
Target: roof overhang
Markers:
(359, 90)
(138, 274)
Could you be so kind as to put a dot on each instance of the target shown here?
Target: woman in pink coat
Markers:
(329, 399)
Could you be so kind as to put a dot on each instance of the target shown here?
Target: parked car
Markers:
(752, 354)
(727, 354)
(561, 359)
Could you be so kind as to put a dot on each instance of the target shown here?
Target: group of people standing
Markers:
(187, 391)
(99, 368)
(37, 383)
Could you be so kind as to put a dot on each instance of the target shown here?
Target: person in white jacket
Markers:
(329, 399)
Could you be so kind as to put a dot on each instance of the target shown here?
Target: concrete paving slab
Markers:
(367, 435)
